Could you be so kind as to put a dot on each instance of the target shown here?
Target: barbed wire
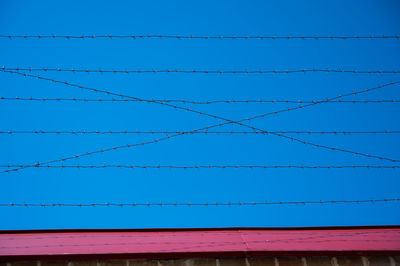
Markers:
(201, 71)
(217, 117)
(85, 132)
(91, 153)
(206, 166)
(220, 37)
(188, 204)
(195, 102)
(204, 128)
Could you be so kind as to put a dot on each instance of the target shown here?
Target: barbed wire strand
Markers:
(188, 204)
(220, 37)
(85, 132)
(206, 166)
(194, 102)
(200, 71)
(205, 128)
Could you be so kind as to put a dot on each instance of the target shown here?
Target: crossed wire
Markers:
(228, 121)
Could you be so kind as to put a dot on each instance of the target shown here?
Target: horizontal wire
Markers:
(206, 166)
(188, 204)
(229, 121)
(220, 37)
(116, 71)
(197, 132)
(204, 128)
(210, 115)
(195, 102)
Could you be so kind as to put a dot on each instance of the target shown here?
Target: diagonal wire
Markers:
(206, 114)
(217, 117)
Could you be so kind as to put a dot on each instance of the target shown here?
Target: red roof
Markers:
(172, 243)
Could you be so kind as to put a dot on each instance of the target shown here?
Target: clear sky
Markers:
(240, 18)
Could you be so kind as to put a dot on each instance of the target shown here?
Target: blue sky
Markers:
(39, 185)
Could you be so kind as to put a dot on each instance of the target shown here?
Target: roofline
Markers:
(163, 250)
(197, 229)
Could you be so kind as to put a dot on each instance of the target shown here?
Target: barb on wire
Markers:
(85, 132)
(201, 71)
(188, 204)
(206, 37)
(129, 166)
(228, 121)
(194, 102)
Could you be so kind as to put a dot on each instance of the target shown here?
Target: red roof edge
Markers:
(196, 229)
(95, 244)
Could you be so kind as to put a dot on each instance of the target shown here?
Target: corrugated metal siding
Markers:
(202, 243)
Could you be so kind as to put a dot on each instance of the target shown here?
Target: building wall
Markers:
(281, 261)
